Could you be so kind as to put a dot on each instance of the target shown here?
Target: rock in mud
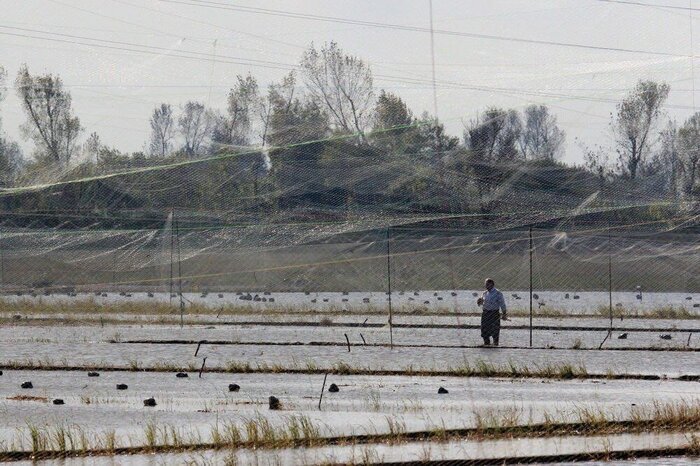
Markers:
(58, 401)
(27, 385)
(233, 387)
(622, 336)
(122, 386)
(181, 375)
(442, 391)
(149, 402)
(274, 403)
(665, 337)
(93, 374)
(333, 388)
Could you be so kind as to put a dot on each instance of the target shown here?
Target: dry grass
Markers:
(89, 310)
(299, 430)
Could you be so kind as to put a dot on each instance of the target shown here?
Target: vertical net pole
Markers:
(610, 279)
(530, 231)
(388, 275)
(179, 275)
(172, 250)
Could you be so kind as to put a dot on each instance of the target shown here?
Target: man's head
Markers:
(489, 284)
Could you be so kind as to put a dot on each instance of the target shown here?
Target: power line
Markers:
(375, 24)
(649, 5)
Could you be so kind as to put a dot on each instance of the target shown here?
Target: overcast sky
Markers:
(120, 58)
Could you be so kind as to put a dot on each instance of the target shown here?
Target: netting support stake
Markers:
(172, 250)
(610, 280)
(179, 274)
(388, 274)
(531, 247)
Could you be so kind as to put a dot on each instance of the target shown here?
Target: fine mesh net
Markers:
(288, 272)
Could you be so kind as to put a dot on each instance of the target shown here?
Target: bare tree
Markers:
(597, 161)
(633, 124)
(342, 85)
(3, 77)
(541, 137)
(666, 160)
(92, 147)
(196, 125)
(50, 120)
(162, 129)
(233, 129)
(689, 153)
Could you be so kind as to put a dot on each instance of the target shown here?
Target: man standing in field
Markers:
(492, 303)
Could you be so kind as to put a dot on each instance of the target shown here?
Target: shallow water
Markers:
(418, 451)
(360, 406)
(459, 300)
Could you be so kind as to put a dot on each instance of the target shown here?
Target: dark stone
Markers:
(345, 293)
(93, 374)
(0, 372)
(27, 385)
(267, 293)
(454, 293)
(274, 402)
(535, 296)
(58, 401)
(122, 386)
(233, 387)
(622, 337)
(566, 296)
(313, 301)
(365, 300)
(442, 391)
(17, 317)
(333, 388)
(149, 402)
(665, 337)
(272, 300)
(689, 298)
(475, 294)
(181, 375)
(426, 302)
(345, 300)
(220, 295)
(576, 296)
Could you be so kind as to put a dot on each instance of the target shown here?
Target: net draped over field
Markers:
(337, 215)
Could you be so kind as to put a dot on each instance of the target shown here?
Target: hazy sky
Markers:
(119, 58)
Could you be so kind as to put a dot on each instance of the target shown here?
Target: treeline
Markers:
(324, 137)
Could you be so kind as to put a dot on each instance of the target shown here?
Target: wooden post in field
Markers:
(388, 273)
(531, 286)
(179, 274)
(172, 250)
(610, 280)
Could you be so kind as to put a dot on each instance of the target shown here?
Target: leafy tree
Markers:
(233, 129)
(634, 121)
(689, 153)
(342, 85)
(50, 120)
(394, 126)
(493, 135)
(162, 131)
